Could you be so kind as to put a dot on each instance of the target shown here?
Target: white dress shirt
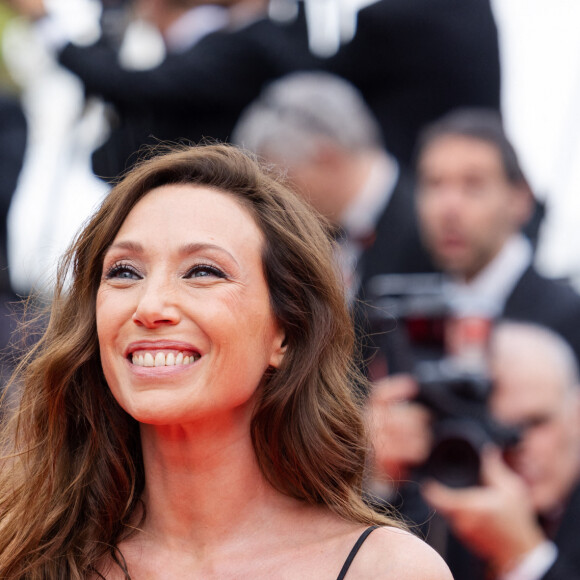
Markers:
(488, 292)
(361, 217)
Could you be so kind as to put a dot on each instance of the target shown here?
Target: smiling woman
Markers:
(194, 293)
(189, 412)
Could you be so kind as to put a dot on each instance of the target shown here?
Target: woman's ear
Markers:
(279, 349)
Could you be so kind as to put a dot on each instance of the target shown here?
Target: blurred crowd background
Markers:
(540, 60)
(439, 137)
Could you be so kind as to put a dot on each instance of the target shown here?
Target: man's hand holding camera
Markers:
(496, 520)
(401, 428)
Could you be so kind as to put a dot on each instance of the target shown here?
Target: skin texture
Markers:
(467, 207)
(184, 274)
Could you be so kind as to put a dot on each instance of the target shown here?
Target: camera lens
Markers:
(455, 456)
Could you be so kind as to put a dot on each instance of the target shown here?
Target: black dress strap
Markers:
(354, 551)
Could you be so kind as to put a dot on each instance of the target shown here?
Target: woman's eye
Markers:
(205, 270)
(122, 272)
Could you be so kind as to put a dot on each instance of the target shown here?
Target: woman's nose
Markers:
(157, 305)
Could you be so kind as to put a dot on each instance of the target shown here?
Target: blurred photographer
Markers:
(522, 522)
(473, 203)
(435, 421)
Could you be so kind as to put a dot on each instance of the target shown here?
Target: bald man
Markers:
(523, 521)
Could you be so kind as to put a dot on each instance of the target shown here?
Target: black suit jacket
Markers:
(196, 94)
(465, 566)
(415, 60)
(397, 247)
(567, 565)
(547, 302)
(13, 137)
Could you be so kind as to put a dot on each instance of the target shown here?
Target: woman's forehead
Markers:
(181, 214)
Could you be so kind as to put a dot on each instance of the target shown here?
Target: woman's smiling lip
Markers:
(161, 354)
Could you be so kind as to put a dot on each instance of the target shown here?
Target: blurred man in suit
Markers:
(317, 126)
(472, 202)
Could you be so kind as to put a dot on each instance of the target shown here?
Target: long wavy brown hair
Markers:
(73, 472)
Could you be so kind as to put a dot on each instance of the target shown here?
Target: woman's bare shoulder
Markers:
(391, 553)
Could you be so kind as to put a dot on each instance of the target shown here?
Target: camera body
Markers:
(445, 349)
(462, 425)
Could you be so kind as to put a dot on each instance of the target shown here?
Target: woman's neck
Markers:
(210, 513)
(197, 479)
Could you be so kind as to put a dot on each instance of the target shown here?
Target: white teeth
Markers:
(161, 359)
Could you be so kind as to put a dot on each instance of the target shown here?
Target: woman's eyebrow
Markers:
(184, 250)
(195, 247)
(135, 247)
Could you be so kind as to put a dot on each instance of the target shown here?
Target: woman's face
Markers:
(184, 321)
